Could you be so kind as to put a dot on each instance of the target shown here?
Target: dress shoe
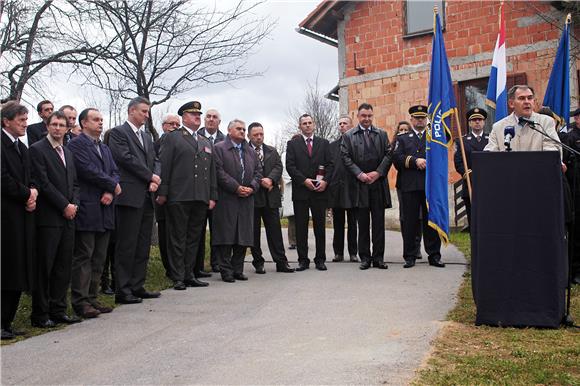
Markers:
(102, 308)
(195, 283)
(6, 334)
(436, 263)
(65, 319)
(292, 246)
(353, 259)
(240, 276)
(107, 291)
(215, 268)
(419, 256)
(201, 274)
(364, 265)
(321, 267)
(228, 279)
(127, 299)
(284, 268)
(338, 259)
(409, 263)
(302, 267)
(43, 323)
(147, 294)
(179, 285)
(260, 270)
(380, 265)
(87, 312)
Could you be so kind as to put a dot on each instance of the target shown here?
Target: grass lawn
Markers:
(465, 354)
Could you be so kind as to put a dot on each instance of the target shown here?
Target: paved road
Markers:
(342, 326)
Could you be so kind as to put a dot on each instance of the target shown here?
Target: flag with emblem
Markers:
(496, 88)
(557, 96)
(441, 108)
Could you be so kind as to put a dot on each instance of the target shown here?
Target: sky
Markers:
(288, 59)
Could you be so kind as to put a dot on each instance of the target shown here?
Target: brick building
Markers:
(384, 51)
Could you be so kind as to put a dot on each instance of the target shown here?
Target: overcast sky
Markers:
(289, 61)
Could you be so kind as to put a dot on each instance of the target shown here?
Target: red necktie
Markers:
(309, 146)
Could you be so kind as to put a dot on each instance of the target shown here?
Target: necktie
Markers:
(309, 146)
(140, 137)
(367, 137)
(478, 139)
(17, 147)
(60, 152)
(260, 154)
(240, 150)
(98, 146)
(420, 135)
(211, 139)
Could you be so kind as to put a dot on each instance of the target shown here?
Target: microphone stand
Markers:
(567, 319)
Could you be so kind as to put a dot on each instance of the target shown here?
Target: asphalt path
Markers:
(341, 326)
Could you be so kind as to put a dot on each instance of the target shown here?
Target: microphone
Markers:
(508, 133)
(523, 121)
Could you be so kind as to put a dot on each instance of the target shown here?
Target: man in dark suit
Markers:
(188, 190)
(54, 173)
(475, 141)
(37, 131)
(73, 129)
(238, 174)
(267, 203)
(366, 153)
(18, 204)
(410, 159)
(99, 184)
(309, 164)
(212, 132)
(339, 200)
(134, 154)
(170, 122)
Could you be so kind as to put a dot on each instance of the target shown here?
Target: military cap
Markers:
(576, 112)
(418, 111)
(190, 107)
(476, 113)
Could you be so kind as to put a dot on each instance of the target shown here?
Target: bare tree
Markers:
(35, 35)
(166, 48)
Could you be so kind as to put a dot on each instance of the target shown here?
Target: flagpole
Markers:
(467, 174)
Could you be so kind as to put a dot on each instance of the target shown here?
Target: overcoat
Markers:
(338, 195)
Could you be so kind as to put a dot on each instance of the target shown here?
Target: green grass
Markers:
(465, 354)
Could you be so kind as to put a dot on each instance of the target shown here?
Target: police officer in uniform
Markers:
(410, 158)
(474, 141)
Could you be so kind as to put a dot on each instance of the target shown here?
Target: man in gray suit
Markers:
(188, 189)
(134, 154)
(239, 174)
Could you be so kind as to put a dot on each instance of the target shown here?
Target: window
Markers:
(419, 16)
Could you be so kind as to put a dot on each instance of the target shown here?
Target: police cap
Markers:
(418, 111)
(190, 107)
(476, 113)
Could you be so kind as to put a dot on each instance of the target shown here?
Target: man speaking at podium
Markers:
(522, 122)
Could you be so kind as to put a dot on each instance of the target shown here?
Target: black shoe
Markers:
(284, 268)
(338, 259)
(7, 335)
(380, 265)
(215, 268)
(364, 265)
(146, 294)
(201, 274)
(321, 267)
(353, 259)
(260, 269)
(409, 263)
(436, 263)
(228, 279)
(302, 267)
(240, 276)
(419, 257)
(195, 283)
(127, 299)
(179, 285)
(65, 319)
(292, 246)
(43, 323)
(107, 291)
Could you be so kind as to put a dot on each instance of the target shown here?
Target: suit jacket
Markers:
(136, 164)
(352, 149)
(272, 169)
(338, 187)
(407, 149)
(57, 184)
(219, 136)
(301, 166)
(525, 139)
(96, 175)
(18, 252)
(36, 132)
(187, 168)
(233, 216)
(470, 145)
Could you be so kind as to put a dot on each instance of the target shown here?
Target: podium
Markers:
(518, 246)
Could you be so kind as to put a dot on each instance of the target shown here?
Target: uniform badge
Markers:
(207, 150)
(469, 138)
(410, 135)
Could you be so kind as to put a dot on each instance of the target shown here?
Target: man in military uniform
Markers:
(410, 158)
(474, 141)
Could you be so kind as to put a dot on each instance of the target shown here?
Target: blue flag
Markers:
(557, 96)
(441, 107)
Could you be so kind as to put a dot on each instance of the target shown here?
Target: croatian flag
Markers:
(496, 89)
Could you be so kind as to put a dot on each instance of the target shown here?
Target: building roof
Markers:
(321, 23)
